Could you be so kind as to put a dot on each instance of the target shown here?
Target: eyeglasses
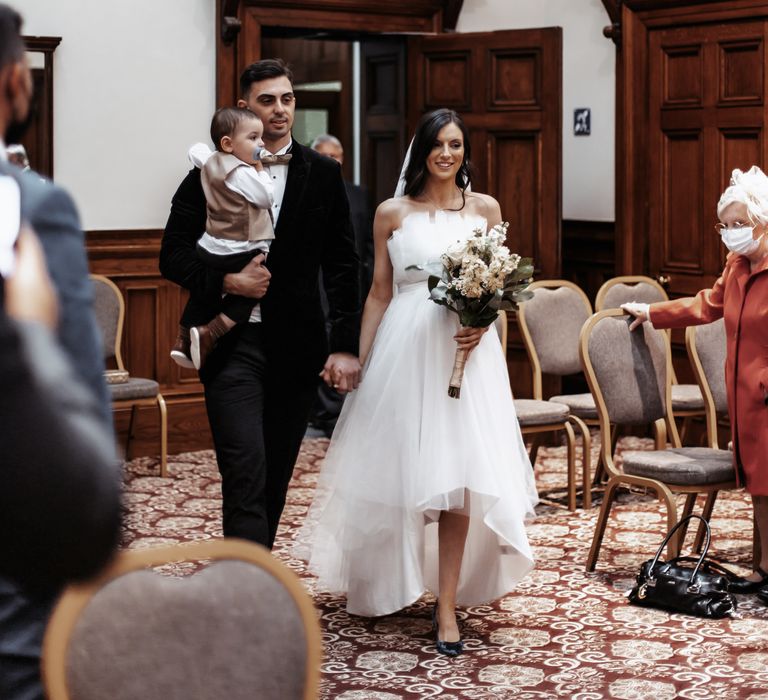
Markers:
(736, 224)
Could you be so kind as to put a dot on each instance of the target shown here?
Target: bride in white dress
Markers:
(420, 491)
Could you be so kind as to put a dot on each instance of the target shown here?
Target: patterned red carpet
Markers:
(563, 633)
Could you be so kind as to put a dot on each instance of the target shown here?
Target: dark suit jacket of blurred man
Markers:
(24, 614)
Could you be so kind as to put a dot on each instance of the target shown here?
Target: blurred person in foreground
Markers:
(17, 155)
(59, 496)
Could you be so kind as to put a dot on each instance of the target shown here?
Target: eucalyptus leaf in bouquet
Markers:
(476, 278)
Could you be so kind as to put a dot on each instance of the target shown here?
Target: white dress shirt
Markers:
(279, 175)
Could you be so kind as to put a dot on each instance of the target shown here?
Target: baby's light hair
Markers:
(226, 120)
(751, 189)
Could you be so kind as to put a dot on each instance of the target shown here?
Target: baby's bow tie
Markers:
(276, 160)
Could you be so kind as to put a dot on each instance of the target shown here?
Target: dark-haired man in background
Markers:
(261, 379)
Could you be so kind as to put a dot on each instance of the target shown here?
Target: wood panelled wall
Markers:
(691, 106)
(153, 306)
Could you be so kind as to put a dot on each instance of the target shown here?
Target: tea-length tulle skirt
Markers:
(403, 451)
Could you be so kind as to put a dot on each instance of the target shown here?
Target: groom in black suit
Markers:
(261, 379)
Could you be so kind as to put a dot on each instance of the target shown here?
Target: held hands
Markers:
(252, 281)
(29, 292)
(342, 372)
(639, 311)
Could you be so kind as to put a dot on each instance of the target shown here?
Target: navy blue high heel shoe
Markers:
(447, 648)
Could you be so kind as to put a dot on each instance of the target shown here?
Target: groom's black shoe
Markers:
(742, 585)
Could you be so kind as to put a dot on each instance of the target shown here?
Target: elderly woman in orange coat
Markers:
(740, 296)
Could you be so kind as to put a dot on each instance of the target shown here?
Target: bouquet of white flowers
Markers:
(475, 279)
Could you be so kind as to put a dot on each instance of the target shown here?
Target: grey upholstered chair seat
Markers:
(683, 465)
(581, 405)
(533, 412)
(687, 397)
(134, 388)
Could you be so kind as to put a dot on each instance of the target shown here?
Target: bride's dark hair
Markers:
(429, 127)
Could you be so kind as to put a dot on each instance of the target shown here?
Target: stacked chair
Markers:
(134, 392)
(706, 347)
(629, 374)
(687, 401)
(550, 324)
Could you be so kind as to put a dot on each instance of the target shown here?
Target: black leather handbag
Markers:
(695, 586)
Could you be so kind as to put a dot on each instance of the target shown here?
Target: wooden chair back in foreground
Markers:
(241, 628)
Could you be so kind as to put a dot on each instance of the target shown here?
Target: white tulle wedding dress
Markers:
(403, 451)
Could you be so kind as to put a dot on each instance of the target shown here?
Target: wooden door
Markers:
(383, 115)
(507, 86)
(706, 115)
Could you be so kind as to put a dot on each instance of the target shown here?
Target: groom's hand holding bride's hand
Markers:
(342, 372)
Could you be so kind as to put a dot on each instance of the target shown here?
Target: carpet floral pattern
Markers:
(562, 634)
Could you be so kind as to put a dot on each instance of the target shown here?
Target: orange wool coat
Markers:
(741, 297)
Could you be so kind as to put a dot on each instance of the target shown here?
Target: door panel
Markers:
(383, 116)
(519, 193)
(685, 234)
(706, 86)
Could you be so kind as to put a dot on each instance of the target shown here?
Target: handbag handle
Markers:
(704, 550)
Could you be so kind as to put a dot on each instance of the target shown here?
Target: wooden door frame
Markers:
(45, 45)
(630, 33)
(236, 21)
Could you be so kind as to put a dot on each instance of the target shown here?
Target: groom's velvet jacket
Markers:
(313, 231)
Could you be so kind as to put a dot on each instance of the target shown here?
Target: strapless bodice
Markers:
(422, 239)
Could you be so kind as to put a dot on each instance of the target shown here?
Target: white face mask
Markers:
(740, 241)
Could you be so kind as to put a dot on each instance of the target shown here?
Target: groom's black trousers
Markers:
(258, 417)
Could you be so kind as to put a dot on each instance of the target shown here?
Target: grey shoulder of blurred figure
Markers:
(53, 215)
(59, 462)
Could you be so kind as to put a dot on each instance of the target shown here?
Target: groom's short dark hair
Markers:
(11, 43)
(263, 70)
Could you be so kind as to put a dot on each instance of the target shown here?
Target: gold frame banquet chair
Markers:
(537, 416)
(549, 324)
(109, 307)
(243, 627)
(687, 401)
(706, 346)
(629, 374)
